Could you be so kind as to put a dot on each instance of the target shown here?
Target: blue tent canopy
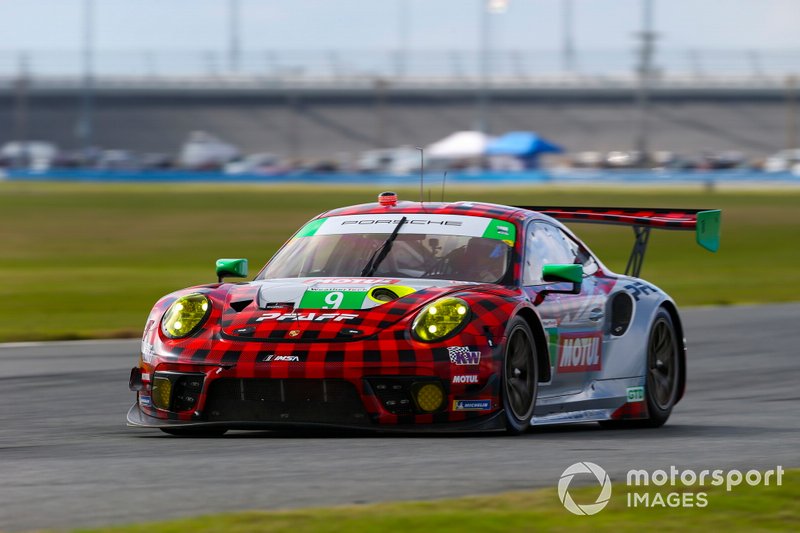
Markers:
(523, 144)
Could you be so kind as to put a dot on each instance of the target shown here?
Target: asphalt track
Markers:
(68, 460)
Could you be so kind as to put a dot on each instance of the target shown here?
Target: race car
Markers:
(412, 316)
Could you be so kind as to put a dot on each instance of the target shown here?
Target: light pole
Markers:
(403, 25)
(483, 92)
(488, 8)
(234, 35)
(85, 126)
(645, 73)
(568, 46)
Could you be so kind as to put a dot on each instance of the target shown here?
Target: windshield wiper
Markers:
(380, 254)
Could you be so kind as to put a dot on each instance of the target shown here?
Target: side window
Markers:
(579, 255)
(546, 245)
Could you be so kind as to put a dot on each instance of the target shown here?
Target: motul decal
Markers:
(580, 352)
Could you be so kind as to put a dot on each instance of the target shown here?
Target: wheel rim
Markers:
(519, 377)
(662, 364)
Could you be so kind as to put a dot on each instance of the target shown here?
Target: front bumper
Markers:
(282, 392)
(492, 422)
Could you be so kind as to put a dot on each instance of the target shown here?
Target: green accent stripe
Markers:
(707, 230)
(500, 230)
(311, 228)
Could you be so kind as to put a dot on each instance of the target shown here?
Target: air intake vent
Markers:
(621, 313)
(238, 306)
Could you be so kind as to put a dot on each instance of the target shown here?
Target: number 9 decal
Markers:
(334, 300)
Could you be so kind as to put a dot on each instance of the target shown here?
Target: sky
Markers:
(375, 24)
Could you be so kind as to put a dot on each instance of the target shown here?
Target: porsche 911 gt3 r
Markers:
(423, 316)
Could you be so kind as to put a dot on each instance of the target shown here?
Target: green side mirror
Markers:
(231, 268)
(568, 273)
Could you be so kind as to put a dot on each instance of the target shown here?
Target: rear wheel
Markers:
(663, 371)
(520, 376)
(194, 432)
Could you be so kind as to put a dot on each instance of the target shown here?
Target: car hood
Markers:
(306, 309)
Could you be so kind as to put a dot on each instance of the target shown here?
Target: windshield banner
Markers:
(419, 224)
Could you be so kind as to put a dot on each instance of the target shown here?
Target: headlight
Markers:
(440, 319)
(185, 315)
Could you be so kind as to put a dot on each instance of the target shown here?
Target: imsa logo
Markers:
(272, 358)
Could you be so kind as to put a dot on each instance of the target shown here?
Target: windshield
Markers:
(450, 247)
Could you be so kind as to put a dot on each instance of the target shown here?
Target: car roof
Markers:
(476, 209)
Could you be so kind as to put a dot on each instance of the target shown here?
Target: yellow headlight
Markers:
(440, 318)
(429, 397)
(162, 392)
(185, 315)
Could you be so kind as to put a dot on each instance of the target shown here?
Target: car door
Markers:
(574, 322)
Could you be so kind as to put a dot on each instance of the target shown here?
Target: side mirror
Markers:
(564, 273)
(231, 268)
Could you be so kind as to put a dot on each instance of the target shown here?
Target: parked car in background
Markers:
(204, 151)
(784, 161)
(401, 160)
(36, 155)
(260, 163)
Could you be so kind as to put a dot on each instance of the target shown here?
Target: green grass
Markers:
(88, 260)
(745, 508)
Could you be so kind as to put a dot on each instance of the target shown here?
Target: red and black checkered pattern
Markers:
(473, 209)
(386, 348)
(234, 343)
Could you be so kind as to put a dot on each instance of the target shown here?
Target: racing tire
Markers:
(520, 376)
(662, 375)
(199, 433)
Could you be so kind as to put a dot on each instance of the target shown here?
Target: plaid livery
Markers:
(237, 342)
(677, 219)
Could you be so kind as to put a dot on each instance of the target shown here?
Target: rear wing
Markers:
(704, 222)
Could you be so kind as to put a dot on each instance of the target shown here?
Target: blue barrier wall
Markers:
(532, 177)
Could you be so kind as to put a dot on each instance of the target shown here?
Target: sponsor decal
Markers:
(548, 323)
(306, 317)
(294, 332)
(462, 225)
(640, 288)
(148, 352)
(352, 281)
(472, 405)
(145, 376)
(580, 352)
(635, 394)
(465, 379)
(272, 358)
(336, 289)
(145, 401)
(325, 298)
(461, 355)
(391, 222)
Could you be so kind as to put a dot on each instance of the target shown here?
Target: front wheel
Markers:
(662, 379)
(520, 376)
